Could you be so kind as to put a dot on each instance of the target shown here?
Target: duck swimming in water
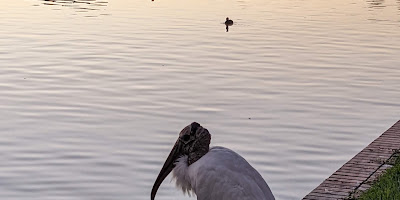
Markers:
(228, 22)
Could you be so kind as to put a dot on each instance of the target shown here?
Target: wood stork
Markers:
(215, 173)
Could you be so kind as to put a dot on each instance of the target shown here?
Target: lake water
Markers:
(93, 93)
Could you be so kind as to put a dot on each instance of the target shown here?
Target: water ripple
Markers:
(91, 107)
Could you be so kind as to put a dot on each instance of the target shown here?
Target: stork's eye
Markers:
(186, 138)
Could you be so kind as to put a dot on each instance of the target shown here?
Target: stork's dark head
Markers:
(193, 141)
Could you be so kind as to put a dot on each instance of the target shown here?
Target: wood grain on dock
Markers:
(357, 174)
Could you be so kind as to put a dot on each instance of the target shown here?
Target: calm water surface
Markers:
(93, 93)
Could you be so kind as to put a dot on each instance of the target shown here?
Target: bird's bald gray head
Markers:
(195, 141)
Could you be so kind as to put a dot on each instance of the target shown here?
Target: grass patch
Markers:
(387, 187)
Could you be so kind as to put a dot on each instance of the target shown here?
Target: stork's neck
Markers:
(199, 149)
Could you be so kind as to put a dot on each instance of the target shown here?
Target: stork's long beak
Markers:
(167, 167)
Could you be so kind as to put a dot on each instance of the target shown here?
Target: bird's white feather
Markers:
(181, 175)
(221, 174)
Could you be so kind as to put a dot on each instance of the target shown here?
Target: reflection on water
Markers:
(398, 3)
(376, 3)
(377, 14)
(80, 5)
(382, 4)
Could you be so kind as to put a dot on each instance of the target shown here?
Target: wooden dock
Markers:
(356, 175)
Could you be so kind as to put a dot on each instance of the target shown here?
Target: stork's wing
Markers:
(222, 174)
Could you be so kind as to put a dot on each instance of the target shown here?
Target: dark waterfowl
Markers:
(228, 22)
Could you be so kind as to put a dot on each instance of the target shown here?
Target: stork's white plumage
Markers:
(215, 173)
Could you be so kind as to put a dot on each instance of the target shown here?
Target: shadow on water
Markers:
(79, 5)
